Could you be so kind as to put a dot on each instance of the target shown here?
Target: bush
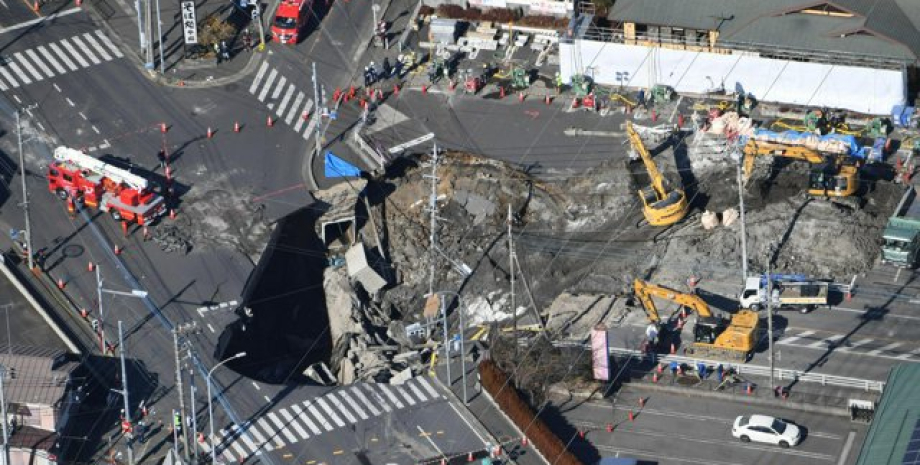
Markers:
(472, 14)
(450, 11)
(425, 10)
(500, 15)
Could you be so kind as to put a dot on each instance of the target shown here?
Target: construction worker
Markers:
(177, 423)
(558, 83)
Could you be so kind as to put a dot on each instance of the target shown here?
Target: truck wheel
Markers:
(116, 215)
(61, 193)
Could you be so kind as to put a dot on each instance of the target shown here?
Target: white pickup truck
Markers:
(788, 292)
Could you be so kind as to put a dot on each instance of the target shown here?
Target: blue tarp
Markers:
(338, 168)
(793, 137)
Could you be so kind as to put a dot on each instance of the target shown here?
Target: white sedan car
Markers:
(763, 428)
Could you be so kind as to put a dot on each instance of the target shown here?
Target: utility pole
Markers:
(511, 271)
(141, 34)
(124, 389)
(160, 40)
(25, 193)
(192, 391)
(317, 114)
(6, 435)
(101, 311)
(446, 338)
(181, 330)
(744, 260)
(770, 312)
(433, 225)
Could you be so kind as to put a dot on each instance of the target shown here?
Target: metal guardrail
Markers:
(746, 369)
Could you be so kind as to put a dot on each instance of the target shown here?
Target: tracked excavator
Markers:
(831, 175)
(714, 337)
(661, 204)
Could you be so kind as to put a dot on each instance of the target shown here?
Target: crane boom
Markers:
(636, 141)
(89, 163)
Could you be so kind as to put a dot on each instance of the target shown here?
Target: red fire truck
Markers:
(77, 176)
(290, 19)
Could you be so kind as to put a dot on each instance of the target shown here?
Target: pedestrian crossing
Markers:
(320, 415)
(56, 59)
(850, 344)
(288, 103)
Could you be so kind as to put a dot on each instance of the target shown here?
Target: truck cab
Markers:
(788, 291)
(290, 19)
(901, 242)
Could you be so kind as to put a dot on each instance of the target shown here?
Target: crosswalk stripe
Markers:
(108, 42)
(258, 78)
(293, 111)
(63, 56)
(354, 405)
(83, 48)
(51, 59)
(28, 66)
(287, 97)
(339, 405)
(3, 86)
(423, 380)
(262, 440)
(276, 93)
(826, 342)
(310, 126)
(319, 417)
(856, 344)
(302, 415)
(101, 51)
(404, 395)
(367, 402)
(9, 77)
(415, 390)
(268, 84)
(282, 428)
(245, 436)
(910, 354)
(322, 403)
(371, 391)
(237, 447)
(395, 400)
(791, 339)
(293, 422)
(306, 109)
(38, 61)
(73, 53)
(884, 349)
(18, 72)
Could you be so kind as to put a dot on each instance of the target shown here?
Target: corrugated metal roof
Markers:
(896, 418)
(33, 376)
(890, 26)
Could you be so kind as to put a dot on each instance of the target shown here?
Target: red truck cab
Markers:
(290, 19)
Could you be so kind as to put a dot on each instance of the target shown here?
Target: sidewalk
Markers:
(119, 19)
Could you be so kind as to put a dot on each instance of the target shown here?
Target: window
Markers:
(285, 23)
(778, 426)
(54, 172)
(68, 177)
(896, 244)
(744, 421)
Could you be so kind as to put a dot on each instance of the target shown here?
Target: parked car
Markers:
(763, 428)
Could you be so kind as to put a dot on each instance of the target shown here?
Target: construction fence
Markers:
(496, 383)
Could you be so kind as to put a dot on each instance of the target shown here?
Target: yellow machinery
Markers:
(660, 205)
(713, 336)
(830, 177)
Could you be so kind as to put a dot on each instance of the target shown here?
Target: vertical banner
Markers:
(189, 23)
(600, 355)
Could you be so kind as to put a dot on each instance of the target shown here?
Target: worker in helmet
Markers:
(558, 83)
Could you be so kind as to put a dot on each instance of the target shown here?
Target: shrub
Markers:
(450, 11)
(425, 10)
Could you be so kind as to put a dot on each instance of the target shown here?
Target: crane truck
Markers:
(789, 291)
(661, 204)
(901, 237)
(830, 176)
(76, 176)
(732, 340)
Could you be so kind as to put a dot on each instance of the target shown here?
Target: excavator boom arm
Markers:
(636, 141)
(754, 149)
(645, 291)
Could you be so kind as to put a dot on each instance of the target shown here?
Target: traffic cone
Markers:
(680, 121)
(654, 116)
(163, 128)
(124, 228)
(548, 99)
(395, 89)
(660, 368)
(424, 89)
(524, 441)
(146, 234)
(452, 85)
(581, 434)
(632, 417)
(71, 208)
(236, 126)
(641, 402)
(168, 173)
(575, 102)
(83, 313)
(443, 461)
(61, 283)
(520, 96)
(269, 122)
(749, 389)
(172, 214)
(117, 250)
(683, 312)
(351, 92)
(469, 457)
(79, 2)
(379, 95)
(90, 267)
(609, 427)
(501, 92)
(673, 349)
(654, 377)
(210, 132)
(363, 103)
(35, 6)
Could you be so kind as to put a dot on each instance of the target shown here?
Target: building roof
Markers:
(884, 28)
(895, 428)
(30, 438)
(35, 375)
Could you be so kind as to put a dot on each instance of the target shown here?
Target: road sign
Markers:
(189, 22)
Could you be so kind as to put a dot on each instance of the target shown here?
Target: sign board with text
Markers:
(189, 23)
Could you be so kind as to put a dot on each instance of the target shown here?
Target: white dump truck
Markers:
(789, 291)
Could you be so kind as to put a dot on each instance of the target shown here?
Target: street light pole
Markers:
(744, 260)
(25, 192)
(6, 436)
(211, 405)
(124, 388)
(101, 311)
(462, 337)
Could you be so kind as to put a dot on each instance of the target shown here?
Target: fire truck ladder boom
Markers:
(86, 162)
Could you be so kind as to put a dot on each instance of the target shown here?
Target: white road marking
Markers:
(63, 56)
(261, 440)
(353, 404)
(415, 390)
(322, 403)
(277, 92)
(211, 328)
(316, 414)
(309, 130)
(373, 393)
(19, 72)
(824, 343)
(884, 349)
(35, 21)
(244, 435)
(303, 416)
(405, 395)
(854, 345)
(55, 84)
(363, 398)
(268, 400)
(339, 405)
(268, 85)
(395, 400)
(282, 428)
(38, 61)
(108, 42)
(306, 111)
(256, 385)
(85, 49)
(474, 430)
(284, 101)
(889, 315)
(909, 354)
(423, 380)
(70, 102)
(101, 51)
(96, 130)
(258, 79)
(846, 448)
(293, 423)
(9, 77)
(73, 52)
(293, 111)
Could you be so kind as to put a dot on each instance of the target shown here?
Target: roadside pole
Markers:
(124, 391)
(25, 192)
(770, 314)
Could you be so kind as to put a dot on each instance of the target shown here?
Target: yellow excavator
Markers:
(831, 175)
(661, 205)
(713, 336)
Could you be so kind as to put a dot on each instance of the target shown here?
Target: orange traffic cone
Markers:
(680, 121)
(673, 349)
(609, 427)
(163, 128)
(632, 417)
(395, 89)
(749, 389)
(641, 402)
(117, 250)
(35, 6)
(524, 441)
(548, 99)
(501, 92)
(61, 283)
(83, 313)
(424, 89)
(469, 457)
(269, 122)
(210, 132)
(660, 368)
(654, 377)
(90, 267)
(654, 116)
(581, 434)
(236, 126)
(172, 214)
(520, 96)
